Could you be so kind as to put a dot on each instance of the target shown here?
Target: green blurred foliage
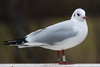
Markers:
(20, 17)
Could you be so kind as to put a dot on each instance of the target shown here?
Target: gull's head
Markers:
(79, 14)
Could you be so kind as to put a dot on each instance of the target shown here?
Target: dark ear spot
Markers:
(74, 15)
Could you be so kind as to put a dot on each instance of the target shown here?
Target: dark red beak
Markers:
(85, 17)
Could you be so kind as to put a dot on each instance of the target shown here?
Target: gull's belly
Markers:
(71, 42)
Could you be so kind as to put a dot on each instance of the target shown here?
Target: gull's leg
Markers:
(58, 57)
(64, 58)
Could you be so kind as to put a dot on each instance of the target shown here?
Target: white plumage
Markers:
(72, 32)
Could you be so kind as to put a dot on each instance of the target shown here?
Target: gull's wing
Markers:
(33, 33)
(53, 34)
(56, 36)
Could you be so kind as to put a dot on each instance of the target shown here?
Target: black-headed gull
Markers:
(60, 36)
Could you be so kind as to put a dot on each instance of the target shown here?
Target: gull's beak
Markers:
(85, 17)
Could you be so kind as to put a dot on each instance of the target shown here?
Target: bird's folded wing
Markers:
(56, 36)
(52, 36)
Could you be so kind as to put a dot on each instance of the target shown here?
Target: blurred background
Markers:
(20, 17)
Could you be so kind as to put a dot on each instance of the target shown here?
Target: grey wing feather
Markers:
(33, 33)
(55, 36)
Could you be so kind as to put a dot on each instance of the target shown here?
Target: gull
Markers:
(58, 37)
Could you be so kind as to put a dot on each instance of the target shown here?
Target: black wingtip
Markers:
(7, 42)
(15, 42)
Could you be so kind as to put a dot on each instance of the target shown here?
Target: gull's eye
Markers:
(78, 14)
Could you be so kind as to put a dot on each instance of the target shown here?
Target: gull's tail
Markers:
(15, 42)
(22, 43)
